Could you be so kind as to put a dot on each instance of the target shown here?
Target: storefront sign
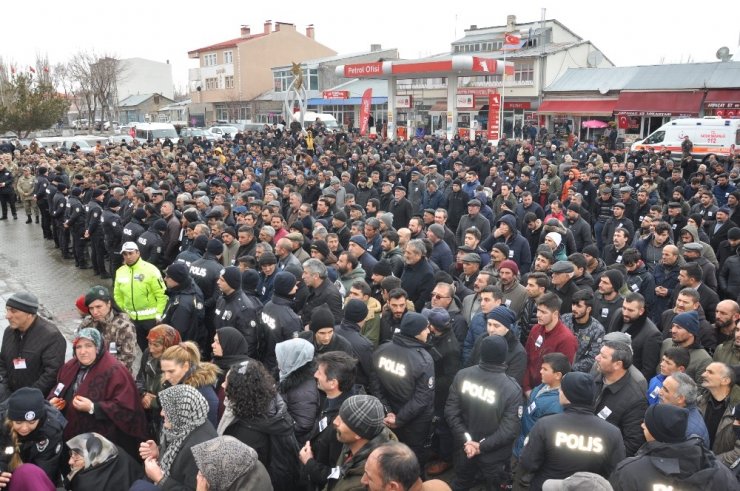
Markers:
(723, 105)
(363, 69)
(517, 105)
(465, 101)
(335, 94)
(403, 101)
(494, 106)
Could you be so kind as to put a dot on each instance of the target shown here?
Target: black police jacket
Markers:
(486, 404)
(184, 310)
(75, 213)
(236, 310)
(206, 271)
(92, 222)
(151, 247)
(58, 206)
(573, 441)
(278, 323)
(112, 229)
(403, 379)
(132, 231)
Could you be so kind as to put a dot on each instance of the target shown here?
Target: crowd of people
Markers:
(335, 312)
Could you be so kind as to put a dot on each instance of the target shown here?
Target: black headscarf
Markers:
(234, 348)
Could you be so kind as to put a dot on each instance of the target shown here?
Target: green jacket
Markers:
(351, 471)
(140, 291)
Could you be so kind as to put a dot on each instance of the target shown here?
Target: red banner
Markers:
(367, 99)
(494, 106)
(623, 122)
(335, 94)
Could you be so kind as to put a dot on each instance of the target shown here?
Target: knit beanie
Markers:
(615, 278)
(24, 301)
(509, 264)
(383, 268)
(322, 247)
(321, 318)
(355, 311)
(493, 349)
(591, 250)
(555, 237)
(503, 315)
(200, 243)
(689, 321)
(178, 272)
(215, 247)
(267, 258)
(232, 276)
(667, 423)
(26, 404)
(364, 415)
(413, 323)
(501, 247)
(250, 280)
(80, 304)
(97, 293)
(578, 388)
(284, 283)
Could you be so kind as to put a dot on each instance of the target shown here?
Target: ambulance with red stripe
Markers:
(709, 135)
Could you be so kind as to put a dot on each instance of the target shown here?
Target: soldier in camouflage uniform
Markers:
(24, 187)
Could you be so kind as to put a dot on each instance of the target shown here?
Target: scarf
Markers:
(94, 448)
(223, 460)
(186, 409)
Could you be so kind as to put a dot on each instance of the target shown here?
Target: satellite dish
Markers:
(723, 54)
(594, 58)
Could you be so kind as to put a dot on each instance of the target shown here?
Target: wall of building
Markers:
(141, 76)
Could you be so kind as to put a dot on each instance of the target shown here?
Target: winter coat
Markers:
(623, 404)
(445, 352)
(685, 465)
(205, 272)
(667, 277)
(184, 311)
(239, 311)
(277, 323)
(140, 291)
(699, 359)
(729, 277)
(590, 338)
(418, 281)
(646, 343)
(541, 403)
(298, 390)
(183, 470)
(457, 207)
(325, 294)
(581, 231)
(539, 343)
(114, 474)
(519, 250)
(516, 357)
(726, 446)
(362, 347)
(479, 222)
(119, 334)
(352, 467)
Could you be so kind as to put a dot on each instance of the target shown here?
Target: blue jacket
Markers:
(538, 405)
(654, 387)
(519, 250)
(721, 193)
(696, 425)
(476, 329)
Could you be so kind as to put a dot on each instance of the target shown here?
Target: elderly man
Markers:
(717, 404)
(321, 291)
(681, 391)
(418, 276)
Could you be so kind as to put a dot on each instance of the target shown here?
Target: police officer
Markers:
(234, 309)
(134, 228)
(206, 272)
(278, 321)
(40, 191)
(668, 460)
(94, 233)
(58, 213)
(184, 310)
(75, 223)
(573, 441)
(151, 243)
(404, 381)
(483, 411)
(7, 192)
(112, 233)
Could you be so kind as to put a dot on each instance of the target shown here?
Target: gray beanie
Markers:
(364, 415)
(24, 301)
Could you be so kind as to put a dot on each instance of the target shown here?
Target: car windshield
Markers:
(165, 133)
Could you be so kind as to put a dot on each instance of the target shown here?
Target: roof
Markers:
(339, 57)
(685, 76)
(231, 43)
(135, 100)
(522, 26)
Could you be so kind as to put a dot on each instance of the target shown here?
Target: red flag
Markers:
(33, 70)
(508, 69)
(367, 99)
(46, 69)
(512, 41)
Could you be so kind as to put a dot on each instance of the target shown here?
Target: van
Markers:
(709, 135)
(330, 122)
(156, 131)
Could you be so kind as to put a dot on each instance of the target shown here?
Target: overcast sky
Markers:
(626, 31)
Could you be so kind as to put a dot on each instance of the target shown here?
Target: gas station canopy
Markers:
(461, 66)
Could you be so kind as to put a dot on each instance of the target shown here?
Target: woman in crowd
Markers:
(33, 430)
(257, 416)
(96, 463)
(96, 392)
(149, 378)
(297, 384)
(226, 464)
(229, 348)
(171, 464)
(180, 364)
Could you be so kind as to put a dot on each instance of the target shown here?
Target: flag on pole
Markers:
(512, 42)
(367, 99)
(32, 69)
(46, 69)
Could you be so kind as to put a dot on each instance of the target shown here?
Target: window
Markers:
(283, 78)
(209, 59)
(211, 83)
(229, 82)
(228, 57)
(524, 71)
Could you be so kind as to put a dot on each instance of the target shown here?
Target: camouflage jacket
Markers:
(590, 339)
(119, 336)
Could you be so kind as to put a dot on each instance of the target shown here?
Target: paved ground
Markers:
(27, 262)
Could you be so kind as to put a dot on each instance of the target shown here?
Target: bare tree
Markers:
(79, 69)
(106, 71)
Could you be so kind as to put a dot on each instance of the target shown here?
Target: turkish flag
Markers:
(720, 113)
(512, 39)
(624, 122)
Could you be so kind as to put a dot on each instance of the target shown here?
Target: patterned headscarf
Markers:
(93, 335)
(223, 460)
(94, 448)
(186, 409)
(165, 334)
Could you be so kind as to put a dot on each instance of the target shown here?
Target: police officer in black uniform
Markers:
(151, 243)
(234, 309)
(205, 272)
(94, 232)
(7, 192)
(574, 441)
(404, 381)
(75, 223)
(184, 310)
(134, 228)
(278, 321)
(112, 234)
(59, 210)
(40, 192)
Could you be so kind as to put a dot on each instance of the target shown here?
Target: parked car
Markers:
(187, 134)
(79, 124)
(223, 131)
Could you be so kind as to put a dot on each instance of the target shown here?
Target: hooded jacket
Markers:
(519, 250)
(297, 386)
(707, 251)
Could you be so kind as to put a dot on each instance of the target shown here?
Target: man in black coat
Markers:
(355, 312)
(278, 321)
(632, 318)
(321, 291)
(205, 273)
(668, 460)
(184, 310)
(234, 309)
(418, 276)
(401, 208)
(403, 380)
(483, 413)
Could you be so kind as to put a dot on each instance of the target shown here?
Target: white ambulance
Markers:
(709, 135)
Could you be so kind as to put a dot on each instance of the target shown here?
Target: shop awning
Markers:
(659, 103)
(441, 106)
(578, 107)
(722, 99)
(352, 101)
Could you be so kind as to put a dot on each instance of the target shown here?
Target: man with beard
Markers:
(392, 252)
(579, 227)
(400, 207)
(595, 266)
(639, 280)
(645, 336)
(666, 281)
(726, 316)
(729, 351)
(619, 243)
(589, 331)
(651, 247)
(515, 294)
(608, 299)
(390, 320)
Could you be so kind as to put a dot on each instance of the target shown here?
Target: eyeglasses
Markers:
(437, 296)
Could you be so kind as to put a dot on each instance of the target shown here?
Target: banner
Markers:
(494, 106)
(367, 99)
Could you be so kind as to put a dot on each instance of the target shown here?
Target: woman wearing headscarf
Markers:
(97, 463)
(96, 392)
(226, 464)
(257, 416)
(297, 384)
(33, 430)
(229, 348)
(171, 464)
(181, 364)
(149, 378)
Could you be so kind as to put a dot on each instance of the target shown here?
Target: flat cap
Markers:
(471, 257)
(563, 267)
